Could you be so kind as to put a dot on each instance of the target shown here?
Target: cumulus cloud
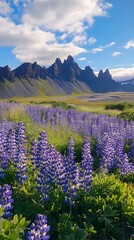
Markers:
(122, 73)
(47, 53)
(69, 16)
(18, 35)
(129, 44)
(101, 48)
(5, 8)
(80, 39)
(92, 40)
(17, 2)
(26, 47)
(114, 54)
(44, 30)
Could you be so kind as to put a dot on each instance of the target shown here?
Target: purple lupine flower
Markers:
(86, 167)
(44, 167)
(33, 152)
(42, 149)
(39, 229)
(20, 160)
(61, 172)
(125, 166)
(6, 200)
(131, 153)
(70, 172)
(3, 154)
(86, 123)
(11, 146)
(52, 158)
(106, 149)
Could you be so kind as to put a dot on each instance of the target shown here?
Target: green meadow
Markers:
(107, 211)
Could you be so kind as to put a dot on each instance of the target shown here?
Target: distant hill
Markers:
(127, 86)
(60, 78)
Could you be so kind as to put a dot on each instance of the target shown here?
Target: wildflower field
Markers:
(65, 174)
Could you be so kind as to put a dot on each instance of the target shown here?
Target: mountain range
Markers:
(60, 78)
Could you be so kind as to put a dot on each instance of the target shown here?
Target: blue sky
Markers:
(98, 33)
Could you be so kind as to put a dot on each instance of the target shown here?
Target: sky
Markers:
(97, 33)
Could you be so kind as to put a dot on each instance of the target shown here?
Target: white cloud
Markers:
(18, 35)
(108, 45)
(17, 2)
(101, 48)
(92, 40)
(95, 50)
(114, 54)
(4, 8)
(34, 37)
(80, 39)
(122, 73)
(63, 36)
(82, 59)
(47, 53)
(26, 47)
(69, 16)
(129, 44)
(120, 65)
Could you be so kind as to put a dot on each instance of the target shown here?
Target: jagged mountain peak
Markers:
(58, 61)
(62, 74)
(6, 74)
(100, 74)
(70, 61)
(107, 75)
(30, 70)
(104, 75)
(7, 68)
(107, 71)
(88, 69)
(70, 58)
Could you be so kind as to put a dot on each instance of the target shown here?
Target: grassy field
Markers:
(103, 213)
(83, 102)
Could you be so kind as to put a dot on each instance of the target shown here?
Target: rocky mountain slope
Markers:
(60, 78)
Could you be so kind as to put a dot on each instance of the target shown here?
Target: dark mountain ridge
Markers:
(60, 78)
(127, 85)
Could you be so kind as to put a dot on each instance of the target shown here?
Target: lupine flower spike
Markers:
(39, 229)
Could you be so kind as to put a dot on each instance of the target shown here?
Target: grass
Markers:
(98, 109)
(109, 198)
(58, 136)
(80, 102)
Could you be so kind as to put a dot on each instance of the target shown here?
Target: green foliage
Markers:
(119, 106)
(106, 212)
(54, 104)
(13, 229)
(110, 208)
(126, 107)
(62, 105)
(69, 230)
(128, 178)
(127, 115)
